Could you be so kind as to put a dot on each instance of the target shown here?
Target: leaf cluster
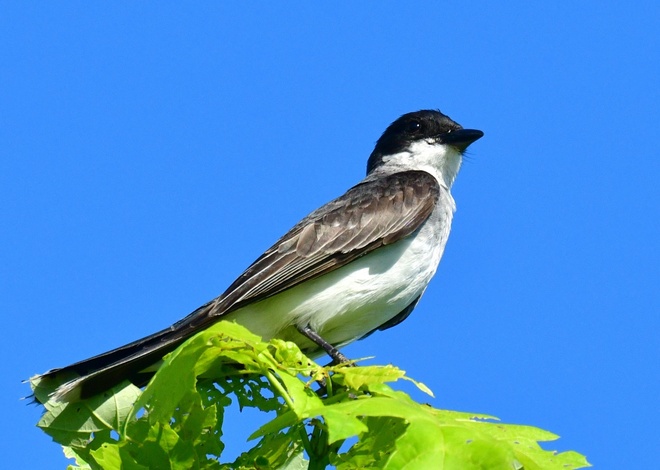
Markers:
(342, 416)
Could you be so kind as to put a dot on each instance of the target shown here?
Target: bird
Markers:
(356, 265)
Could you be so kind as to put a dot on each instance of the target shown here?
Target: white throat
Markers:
(440, 160)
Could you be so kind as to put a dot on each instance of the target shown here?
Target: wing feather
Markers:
(372, 214)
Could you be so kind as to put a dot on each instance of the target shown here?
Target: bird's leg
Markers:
(337, 357)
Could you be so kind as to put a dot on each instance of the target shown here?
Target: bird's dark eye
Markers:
(414, 127)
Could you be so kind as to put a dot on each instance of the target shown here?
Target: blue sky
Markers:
(151, 152)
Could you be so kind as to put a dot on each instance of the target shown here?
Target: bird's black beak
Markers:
(462, 138)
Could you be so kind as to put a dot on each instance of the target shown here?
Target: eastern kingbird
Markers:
(358, 264)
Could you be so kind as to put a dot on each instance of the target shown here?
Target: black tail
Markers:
(132, 362)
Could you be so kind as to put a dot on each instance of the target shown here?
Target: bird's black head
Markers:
(427, 125)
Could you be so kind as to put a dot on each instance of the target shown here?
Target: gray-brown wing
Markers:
(371, 214)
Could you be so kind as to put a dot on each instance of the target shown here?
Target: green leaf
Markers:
(163, 448)
(111, 456)
(102, 412)
(173, 381)
(296, 462)
(356, 377)
(280, 422)
(82, 462)
(176, 422)
(428, 444)
(275, 450)
(341, 425)
(302, 397)
(374, 447)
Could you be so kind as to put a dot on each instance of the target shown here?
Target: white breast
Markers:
(346, 304)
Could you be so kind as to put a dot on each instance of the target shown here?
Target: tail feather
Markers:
(131, 362)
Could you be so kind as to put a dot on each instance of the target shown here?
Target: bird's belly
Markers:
(351, 301)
